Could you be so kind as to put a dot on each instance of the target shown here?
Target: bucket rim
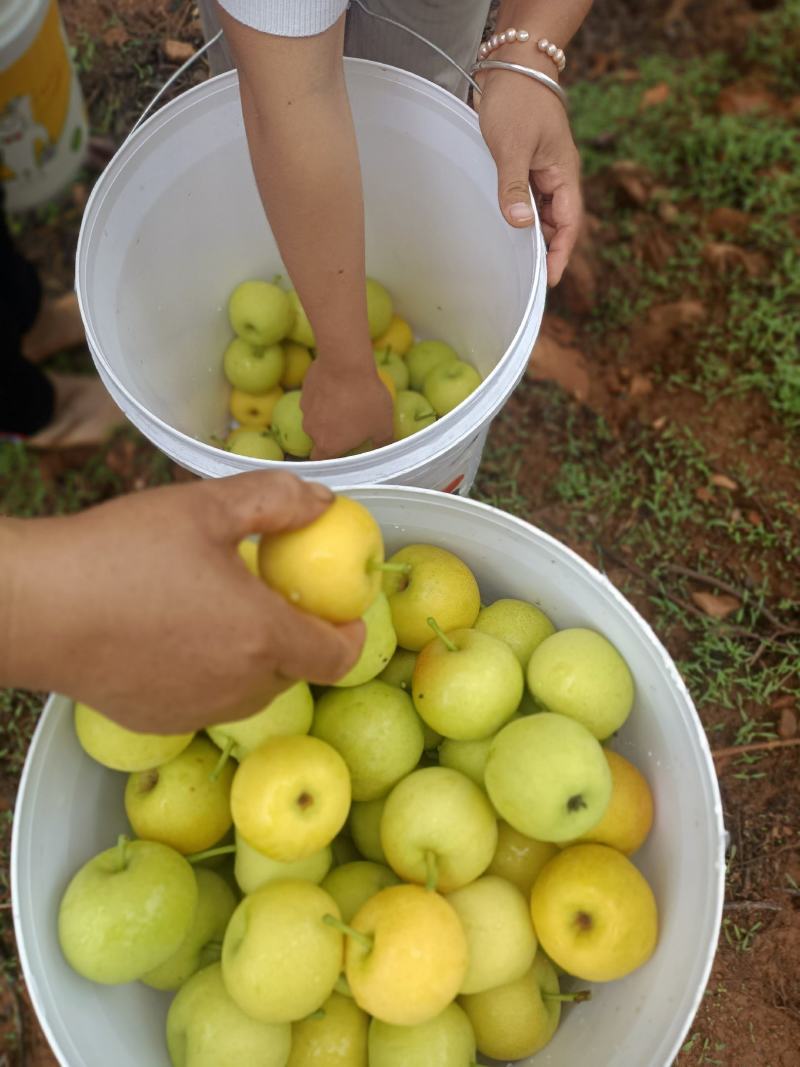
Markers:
(478, 408)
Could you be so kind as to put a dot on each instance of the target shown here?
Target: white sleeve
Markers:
(286, 18)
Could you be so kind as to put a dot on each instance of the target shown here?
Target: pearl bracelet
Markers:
(497, 40)
(556, 54)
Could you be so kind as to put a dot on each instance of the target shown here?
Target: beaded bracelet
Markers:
(497, 40)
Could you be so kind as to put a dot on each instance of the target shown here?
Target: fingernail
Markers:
(520, 213)
(321, 492)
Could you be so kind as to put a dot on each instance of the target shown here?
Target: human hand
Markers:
(143, 608)
(344, 407)
(527, 131)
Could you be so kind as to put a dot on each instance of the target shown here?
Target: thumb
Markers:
(313, 650)
(267, 502)
(513, 189)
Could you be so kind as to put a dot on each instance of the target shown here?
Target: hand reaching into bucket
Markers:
(143, 608)
(343, 408)
(305, 160)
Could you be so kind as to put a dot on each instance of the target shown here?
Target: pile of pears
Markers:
(398, 870)
(267, 361)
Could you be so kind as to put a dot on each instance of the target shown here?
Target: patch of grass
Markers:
(774, 45)
(704, 1048)
(28, 491)
(740, 938)
(19, 712)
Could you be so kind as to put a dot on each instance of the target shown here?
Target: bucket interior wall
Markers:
(181, 224)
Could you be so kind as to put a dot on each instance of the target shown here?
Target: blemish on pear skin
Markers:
(148, 781)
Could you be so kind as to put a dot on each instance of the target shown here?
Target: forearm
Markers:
(305, 160)
(38, 609)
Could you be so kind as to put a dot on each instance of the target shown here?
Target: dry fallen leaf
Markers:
(116, 36)
(675, 12)
(728, 220)
(787, 727)
(704, 494)
(640, 385)
(658, 94)
(632, 179)
(722, 481)
(553, 361)
(178, 51)
(716, 605)
(668, 212)
(723, 257)
(745, 99)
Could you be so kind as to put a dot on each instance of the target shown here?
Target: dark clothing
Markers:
(27, 396)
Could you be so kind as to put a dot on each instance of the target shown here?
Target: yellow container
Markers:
(43, 126)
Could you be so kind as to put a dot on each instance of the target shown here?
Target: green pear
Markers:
(521, 625)
(380, 643)
(365, 828)
(251, 369)
(375, 730)
(449, 385)
(203, 944)
(336, 1036)
(518, 1019)
(205, 1028)
(400, 669)
(579, 673)
(379, 308)
(289, 713)
(300, 331)
(467, 684)
(280, 957)
(388, 360)
(259, 312)
(287, 425)
(438, 828)
(497, 921)
(548, 777)
(423, 356)
(253, 869)
(412, 413)
(447, 1040)
(354, 883)
(126, 911)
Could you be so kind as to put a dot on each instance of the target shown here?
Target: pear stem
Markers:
(448, 644)
(431, 871)
(122, 850)
(364, 940)
(389, 568)
(210, 853)
(578, 997)
(224, 756)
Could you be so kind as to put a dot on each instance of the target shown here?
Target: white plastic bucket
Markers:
(43, 126)
(69, 808)
(175, 222)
